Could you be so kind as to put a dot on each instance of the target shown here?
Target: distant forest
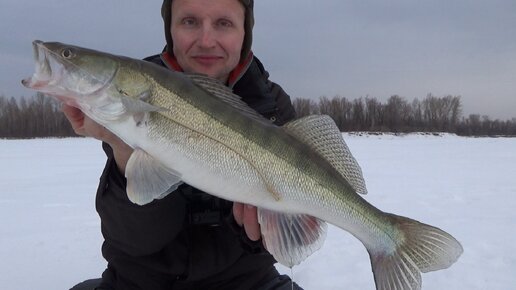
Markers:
(35, 117)
(432, 114)
(40, 116)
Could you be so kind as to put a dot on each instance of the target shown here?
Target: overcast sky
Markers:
(311, 47)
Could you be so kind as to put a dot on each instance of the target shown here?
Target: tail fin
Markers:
(422, 248)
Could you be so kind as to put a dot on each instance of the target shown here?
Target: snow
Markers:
(50, 233)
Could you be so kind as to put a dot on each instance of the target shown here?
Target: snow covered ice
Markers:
(50, 232)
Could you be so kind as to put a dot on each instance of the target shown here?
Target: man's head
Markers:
(208, 36)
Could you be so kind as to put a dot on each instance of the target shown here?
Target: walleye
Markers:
(190, 128)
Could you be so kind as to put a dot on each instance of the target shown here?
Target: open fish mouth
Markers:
(58, 73)
(48, 69)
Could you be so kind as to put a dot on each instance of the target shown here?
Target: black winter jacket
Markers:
(189, 239)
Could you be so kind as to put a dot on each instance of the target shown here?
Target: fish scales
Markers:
(189, 128)
(292, 163)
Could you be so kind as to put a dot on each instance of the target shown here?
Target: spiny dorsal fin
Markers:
(224, 93)
(321, 133)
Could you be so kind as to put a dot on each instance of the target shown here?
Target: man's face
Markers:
(208, 35)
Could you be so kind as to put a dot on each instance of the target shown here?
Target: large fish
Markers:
(190, 128)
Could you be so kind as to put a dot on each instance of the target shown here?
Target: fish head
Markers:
(70, 73)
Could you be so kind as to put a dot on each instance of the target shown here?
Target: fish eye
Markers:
(67, 53)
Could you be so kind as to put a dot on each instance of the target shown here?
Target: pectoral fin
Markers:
(291, 238)
(140, 103)
(123, 105)
(148, 179)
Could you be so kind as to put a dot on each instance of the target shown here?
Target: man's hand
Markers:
(84, 126)
(246, 216)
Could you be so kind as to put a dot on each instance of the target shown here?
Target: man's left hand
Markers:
(246, 216)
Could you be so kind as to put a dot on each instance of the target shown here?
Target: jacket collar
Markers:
(234, 76)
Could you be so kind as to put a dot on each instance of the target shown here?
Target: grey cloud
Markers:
(311, 47)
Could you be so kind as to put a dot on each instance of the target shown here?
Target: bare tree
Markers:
(358, 115)
(374, 114)
(395, 113)
(304, 107)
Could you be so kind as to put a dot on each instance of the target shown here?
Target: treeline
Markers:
(34, 117)
(432, 114)
(40, 116)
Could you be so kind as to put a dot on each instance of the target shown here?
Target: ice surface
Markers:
(50, 233)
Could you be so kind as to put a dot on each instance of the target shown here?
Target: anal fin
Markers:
(291, 238)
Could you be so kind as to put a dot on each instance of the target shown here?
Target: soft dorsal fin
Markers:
(224, 93)
(321, 133)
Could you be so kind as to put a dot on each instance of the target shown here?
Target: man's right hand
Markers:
(85, 126)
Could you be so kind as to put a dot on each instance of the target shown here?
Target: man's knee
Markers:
(282, 282)
(91, 284)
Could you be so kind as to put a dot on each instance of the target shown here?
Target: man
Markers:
(189, 239)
